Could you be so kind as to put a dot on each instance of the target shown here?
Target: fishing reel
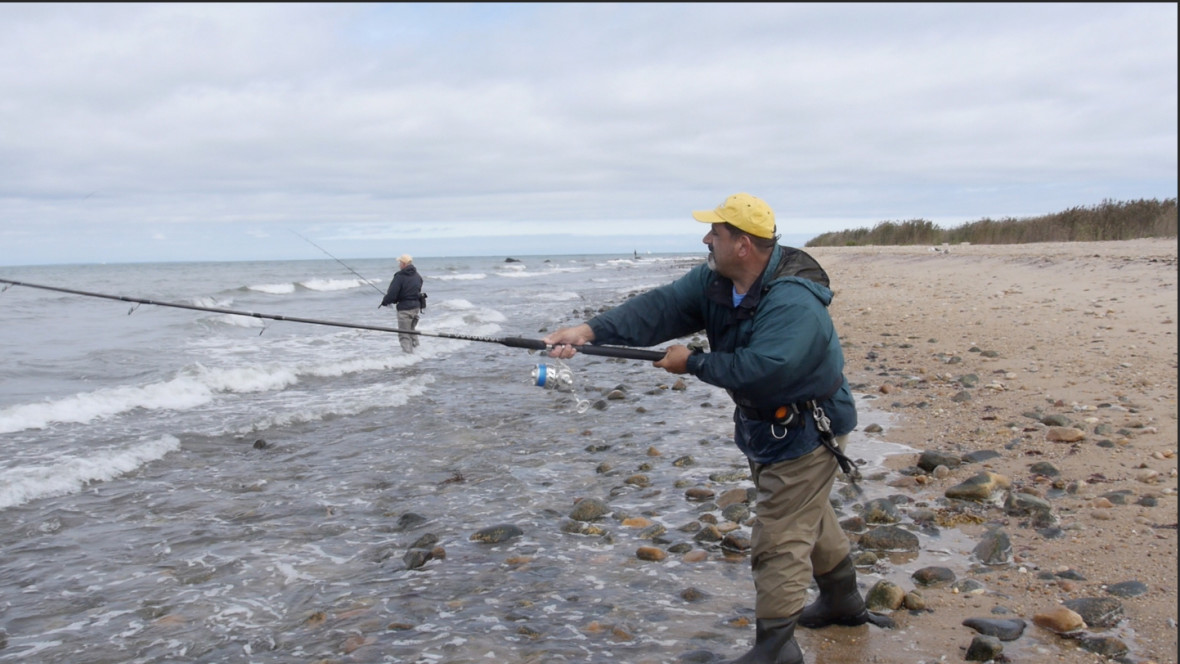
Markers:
(560, 377)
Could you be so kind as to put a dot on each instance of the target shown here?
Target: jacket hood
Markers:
(788, 264)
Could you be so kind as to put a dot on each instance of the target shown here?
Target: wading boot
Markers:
(839, 602)
(774, 643)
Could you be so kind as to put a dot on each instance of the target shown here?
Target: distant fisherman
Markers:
(405, 291)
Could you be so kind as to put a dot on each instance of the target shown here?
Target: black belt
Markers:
(788, 416)
(791, 417)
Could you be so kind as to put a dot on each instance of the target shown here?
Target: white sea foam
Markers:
(69, 474)
(300, 409)
(459, 316)
(566, 269)
(467, 323)
(382, 362)
(460, 277)
(675, 259)
(636, 288)
(523, 275)
(273, 289)
(180, 393)
(213, 302)
(562, 296)
(197, 385)
(238, 321)
(290, 574)
(36, 647)
(244, 379)
(330, 284)
(459, 304)
(194, 387)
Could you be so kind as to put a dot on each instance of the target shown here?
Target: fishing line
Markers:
(342, 263)
(512, 342)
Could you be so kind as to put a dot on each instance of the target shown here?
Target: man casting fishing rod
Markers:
(774, 348)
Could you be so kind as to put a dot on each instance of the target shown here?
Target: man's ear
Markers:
(745, 245)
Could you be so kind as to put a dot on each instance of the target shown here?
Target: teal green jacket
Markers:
(777, 347)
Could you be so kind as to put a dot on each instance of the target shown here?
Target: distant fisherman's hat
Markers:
(748, 213)
(405, 258)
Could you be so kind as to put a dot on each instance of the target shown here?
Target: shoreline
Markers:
(973, 348)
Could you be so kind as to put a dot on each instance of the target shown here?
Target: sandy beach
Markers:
(969, 348)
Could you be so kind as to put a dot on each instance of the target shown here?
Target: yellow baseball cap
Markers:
(748, 213)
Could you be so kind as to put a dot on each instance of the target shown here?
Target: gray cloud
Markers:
(430, 125)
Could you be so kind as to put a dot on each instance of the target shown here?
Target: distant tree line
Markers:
(1109, 220)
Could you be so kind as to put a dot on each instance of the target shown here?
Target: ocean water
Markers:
(180, 485)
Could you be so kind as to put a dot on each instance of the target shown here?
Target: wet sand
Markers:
(1083, 330)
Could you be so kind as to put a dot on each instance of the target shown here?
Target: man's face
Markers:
(723, 254)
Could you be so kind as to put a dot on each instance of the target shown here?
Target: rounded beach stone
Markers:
(889, 538)
(1003, 629)
(589, 509)
(650, 553)
(498, 533)
(1059, 620)
(884, 595)
(984, 649)
(933, 577)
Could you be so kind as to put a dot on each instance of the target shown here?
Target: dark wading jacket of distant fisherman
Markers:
(777, 347)
(405, 289)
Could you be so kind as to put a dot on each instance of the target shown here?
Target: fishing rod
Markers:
(512, 342)
(342, 263)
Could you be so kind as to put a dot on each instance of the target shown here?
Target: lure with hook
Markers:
(512, 342)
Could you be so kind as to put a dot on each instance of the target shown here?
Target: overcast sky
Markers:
(164, 132)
